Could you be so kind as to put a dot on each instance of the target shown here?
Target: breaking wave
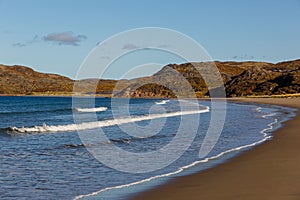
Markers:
(100, 124)
(99, 109)
(162, 102)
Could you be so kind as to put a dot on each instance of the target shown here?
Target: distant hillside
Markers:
(21, 80)
(24, 80)
(240, 79)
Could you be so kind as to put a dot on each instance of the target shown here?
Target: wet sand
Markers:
(268, 171)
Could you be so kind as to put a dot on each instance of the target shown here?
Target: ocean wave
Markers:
(100, 124)
(71, 146)
(99, 109)
(162, 102)
(258, 109)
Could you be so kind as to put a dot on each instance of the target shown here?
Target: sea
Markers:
(50, 149)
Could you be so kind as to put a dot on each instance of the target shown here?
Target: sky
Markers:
(56, 36)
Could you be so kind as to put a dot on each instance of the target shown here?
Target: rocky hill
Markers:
(239, 78)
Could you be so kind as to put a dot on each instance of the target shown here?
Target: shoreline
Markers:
(268, 171)
(71, 94)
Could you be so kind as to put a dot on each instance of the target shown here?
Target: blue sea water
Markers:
(43, 157)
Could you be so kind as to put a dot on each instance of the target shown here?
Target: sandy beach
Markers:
(268, 171)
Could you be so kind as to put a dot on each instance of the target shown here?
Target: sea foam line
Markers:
(99, 109)
(270, 126)
(100, 124)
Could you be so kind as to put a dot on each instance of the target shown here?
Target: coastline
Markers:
(71, 94)
(268, 171)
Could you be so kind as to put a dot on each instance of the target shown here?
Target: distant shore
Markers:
(70, 94)
(268, 171)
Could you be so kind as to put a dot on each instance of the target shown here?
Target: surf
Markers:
(99, 109)
(162, 102)
(100, 124)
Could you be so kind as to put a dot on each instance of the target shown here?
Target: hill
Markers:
(239, 78)
(22, 80)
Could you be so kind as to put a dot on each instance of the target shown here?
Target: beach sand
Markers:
(268, 171)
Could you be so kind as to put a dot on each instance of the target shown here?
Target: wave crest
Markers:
(100, 124)
(162, 102)
(99, 109)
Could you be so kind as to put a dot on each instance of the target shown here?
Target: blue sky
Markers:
(56, 35)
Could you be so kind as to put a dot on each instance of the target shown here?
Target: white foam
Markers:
(258, 109)
(162, 102)
(181, 169)
(105, 123)
(99, 109)
(269, 115)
